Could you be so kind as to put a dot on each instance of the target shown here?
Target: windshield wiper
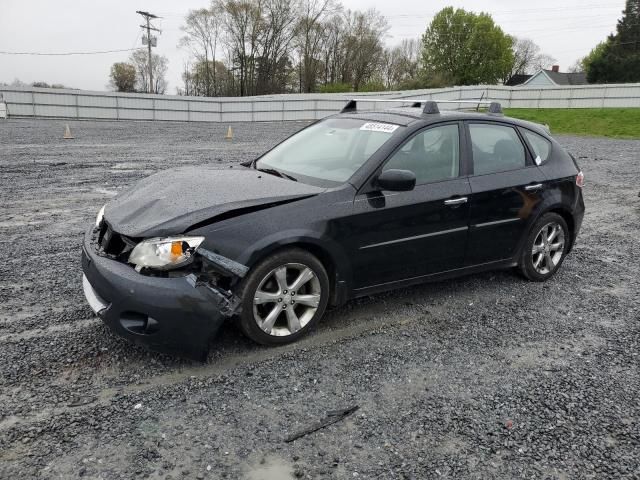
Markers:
(280, 174)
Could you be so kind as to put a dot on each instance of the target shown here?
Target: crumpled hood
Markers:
(171, 201)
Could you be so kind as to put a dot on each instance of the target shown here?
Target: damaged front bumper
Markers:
(173, 315)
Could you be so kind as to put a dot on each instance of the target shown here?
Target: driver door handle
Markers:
(533, 188)
(455, 201)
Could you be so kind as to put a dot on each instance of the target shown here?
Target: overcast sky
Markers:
(566, 29)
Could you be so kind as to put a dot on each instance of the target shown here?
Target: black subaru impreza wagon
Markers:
(357, 203)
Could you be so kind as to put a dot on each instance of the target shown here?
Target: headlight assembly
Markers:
(100, 216)
(164, 253)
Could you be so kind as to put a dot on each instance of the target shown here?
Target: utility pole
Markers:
(148, 16)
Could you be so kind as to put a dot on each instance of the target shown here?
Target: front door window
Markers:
(433, 155)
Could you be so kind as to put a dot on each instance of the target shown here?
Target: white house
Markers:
(553, 77)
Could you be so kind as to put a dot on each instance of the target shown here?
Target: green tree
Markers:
(618, 60)
(595, 54)
(335, 88)
(466, 48)
(373, 86)
(123, 77)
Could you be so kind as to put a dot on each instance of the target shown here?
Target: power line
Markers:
(463, 33)
(494, 13)
(526, 21)
(490, 12)
(98, 52)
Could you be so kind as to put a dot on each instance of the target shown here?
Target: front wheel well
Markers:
(321, 254)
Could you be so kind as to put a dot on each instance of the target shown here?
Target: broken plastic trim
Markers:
(224, 265)
(228, 304)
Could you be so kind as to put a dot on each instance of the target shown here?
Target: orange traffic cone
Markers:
(67, 133)
(229, 135)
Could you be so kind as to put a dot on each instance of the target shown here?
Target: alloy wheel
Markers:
(548, 248)
(286, 299)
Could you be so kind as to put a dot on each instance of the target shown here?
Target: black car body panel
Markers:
(402, 226)
(369, 240)
(319, 223)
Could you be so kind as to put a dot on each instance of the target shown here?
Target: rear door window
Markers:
(540, 145)
(496, 148)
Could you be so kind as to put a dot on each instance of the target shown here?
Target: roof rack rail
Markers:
(351, 105)
(430, 105)
(494, 106)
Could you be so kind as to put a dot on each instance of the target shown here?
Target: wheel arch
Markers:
(332, 257)
(567, 216)
(556, 208)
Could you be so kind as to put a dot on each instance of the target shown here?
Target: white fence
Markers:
(79, 104)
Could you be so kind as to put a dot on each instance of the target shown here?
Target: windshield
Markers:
(331, 150)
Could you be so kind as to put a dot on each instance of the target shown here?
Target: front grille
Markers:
(112, 243)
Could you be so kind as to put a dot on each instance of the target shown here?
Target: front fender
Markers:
(316, 242)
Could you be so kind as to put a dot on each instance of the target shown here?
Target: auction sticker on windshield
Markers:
(379, 127)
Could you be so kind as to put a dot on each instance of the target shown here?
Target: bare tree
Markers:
(160, 67)
(527, 58)
(364, 45)
(243, 22)
(202, 30)
(275, 45)
(543, 61)
(310, 33)
(265, 44)
(187, 81)
(401, 64)
(159, 63)
(196, 79)
(332, 47)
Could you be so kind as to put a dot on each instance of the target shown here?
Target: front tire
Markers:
(283, 297)
(545, 248)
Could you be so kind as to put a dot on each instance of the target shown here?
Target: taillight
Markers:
(580, 179)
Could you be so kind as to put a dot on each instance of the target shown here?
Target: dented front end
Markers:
(173, 312)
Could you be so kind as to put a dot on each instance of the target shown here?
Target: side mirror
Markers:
(397, 180)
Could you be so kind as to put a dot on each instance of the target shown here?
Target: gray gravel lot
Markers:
(487, 376)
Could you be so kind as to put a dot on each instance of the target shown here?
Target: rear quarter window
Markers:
(540, 145)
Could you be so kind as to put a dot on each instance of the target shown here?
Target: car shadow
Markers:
(355, 316)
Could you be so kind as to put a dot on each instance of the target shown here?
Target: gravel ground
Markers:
(487, 376)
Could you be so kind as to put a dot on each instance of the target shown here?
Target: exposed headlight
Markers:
(164, 253)
(100, 216)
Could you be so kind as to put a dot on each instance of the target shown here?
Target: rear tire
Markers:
(283, 297)
(545, 248)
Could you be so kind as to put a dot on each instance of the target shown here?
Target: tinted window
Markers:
(496, 148)
(541, 146)
(433, 155)
(331, 150)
